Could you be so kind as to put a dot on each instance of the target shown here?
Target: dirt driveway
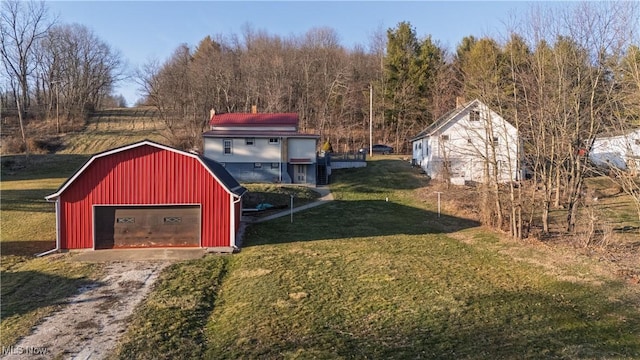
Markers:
(90, 324)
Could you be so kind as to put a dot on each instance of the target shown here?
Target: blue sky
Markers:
(145, 30)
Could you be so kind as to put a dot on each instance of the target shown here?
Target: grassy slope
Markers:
(368, 278)
(112, 128)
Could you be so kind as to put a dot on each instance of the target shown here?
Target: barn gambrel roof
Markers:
(216, 169)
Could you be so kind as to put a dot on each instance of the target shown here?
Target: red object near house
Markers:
(148, 195)
(254, 119)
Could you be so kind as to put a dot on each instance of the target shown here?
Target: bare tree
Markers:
(568, 96)
(22, 25)
(79, 67)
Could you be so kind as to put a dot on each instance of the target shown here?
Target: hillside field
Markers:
(376, 273)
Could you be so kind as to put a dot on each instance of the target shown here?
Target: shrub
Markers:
(13, 145)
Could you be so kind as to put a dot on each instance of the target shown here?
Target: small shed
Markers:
(148, 195)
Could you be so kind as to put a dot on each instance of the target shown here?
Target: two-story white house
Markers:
(262, 148)
(467, 144)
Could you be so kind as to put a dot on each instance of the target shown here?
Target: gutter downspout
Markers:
(280, 163)
(57, 248)
(234, 231)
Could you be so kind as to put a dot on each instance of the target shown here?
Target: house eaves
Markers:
(444, 120)
(257, 134)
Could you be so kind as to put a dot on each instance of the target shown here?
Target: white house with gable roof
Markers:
(469, 143)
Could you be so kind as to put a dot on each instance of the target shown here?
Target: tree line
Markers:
(53, 70)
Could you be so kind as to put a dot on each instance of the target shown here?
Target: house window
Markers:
(495, 139)
(249, 141)
(125, 220)
(275, 165)
(637, 141)
(172, 220)
(444, 137)
(257, 165)
(469, 141)
(227, 146)
(474, 115)
(274, 141)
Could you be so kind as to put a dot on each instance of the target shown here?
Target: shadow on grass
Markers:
(31, 200)
(119, 133)
(542, 326)
(26, 247)
(25, 291)
(379, 176)
(354, 219)
(40, 166)
(123, 112)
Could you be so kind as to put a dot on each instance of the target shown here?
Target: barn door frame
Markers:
(93, 217)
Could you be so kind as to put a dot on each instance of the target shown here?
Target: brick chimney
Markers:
(459, 101)
(212, 113)
(254, 109)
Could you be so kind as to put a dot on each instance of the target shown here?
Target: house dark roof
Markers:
(442, 120)
(254, 120)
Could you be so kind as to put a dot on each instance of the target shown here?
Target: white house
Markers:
(621, 151)
(465, 143)
(262, 148)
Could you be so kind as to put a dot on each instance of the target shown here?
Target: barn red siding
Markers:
(144, 175)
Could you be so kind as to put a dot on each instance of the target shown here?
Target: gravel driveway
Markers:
(89, 325)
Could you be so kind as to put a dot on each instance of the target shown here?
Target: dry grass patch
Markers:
(111, 128)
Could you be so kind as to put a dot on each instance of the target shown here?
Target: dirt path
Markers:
(89, 325)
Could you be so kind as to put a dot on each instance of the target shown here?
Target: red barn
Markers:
(148, 195)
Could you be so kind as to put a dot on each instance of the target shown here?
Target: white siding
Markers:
(302, 149)
(619, 151)
(261, 151)
(466, 147)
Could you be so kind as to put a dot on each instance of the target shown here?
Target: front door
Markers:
(301, 174)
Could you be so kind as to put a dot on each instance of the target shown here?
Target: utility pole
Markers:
(370, 120)
(57, 106)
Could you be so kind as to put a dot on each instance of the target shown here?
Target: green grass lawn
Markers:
(377, 274)
(31, 288)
